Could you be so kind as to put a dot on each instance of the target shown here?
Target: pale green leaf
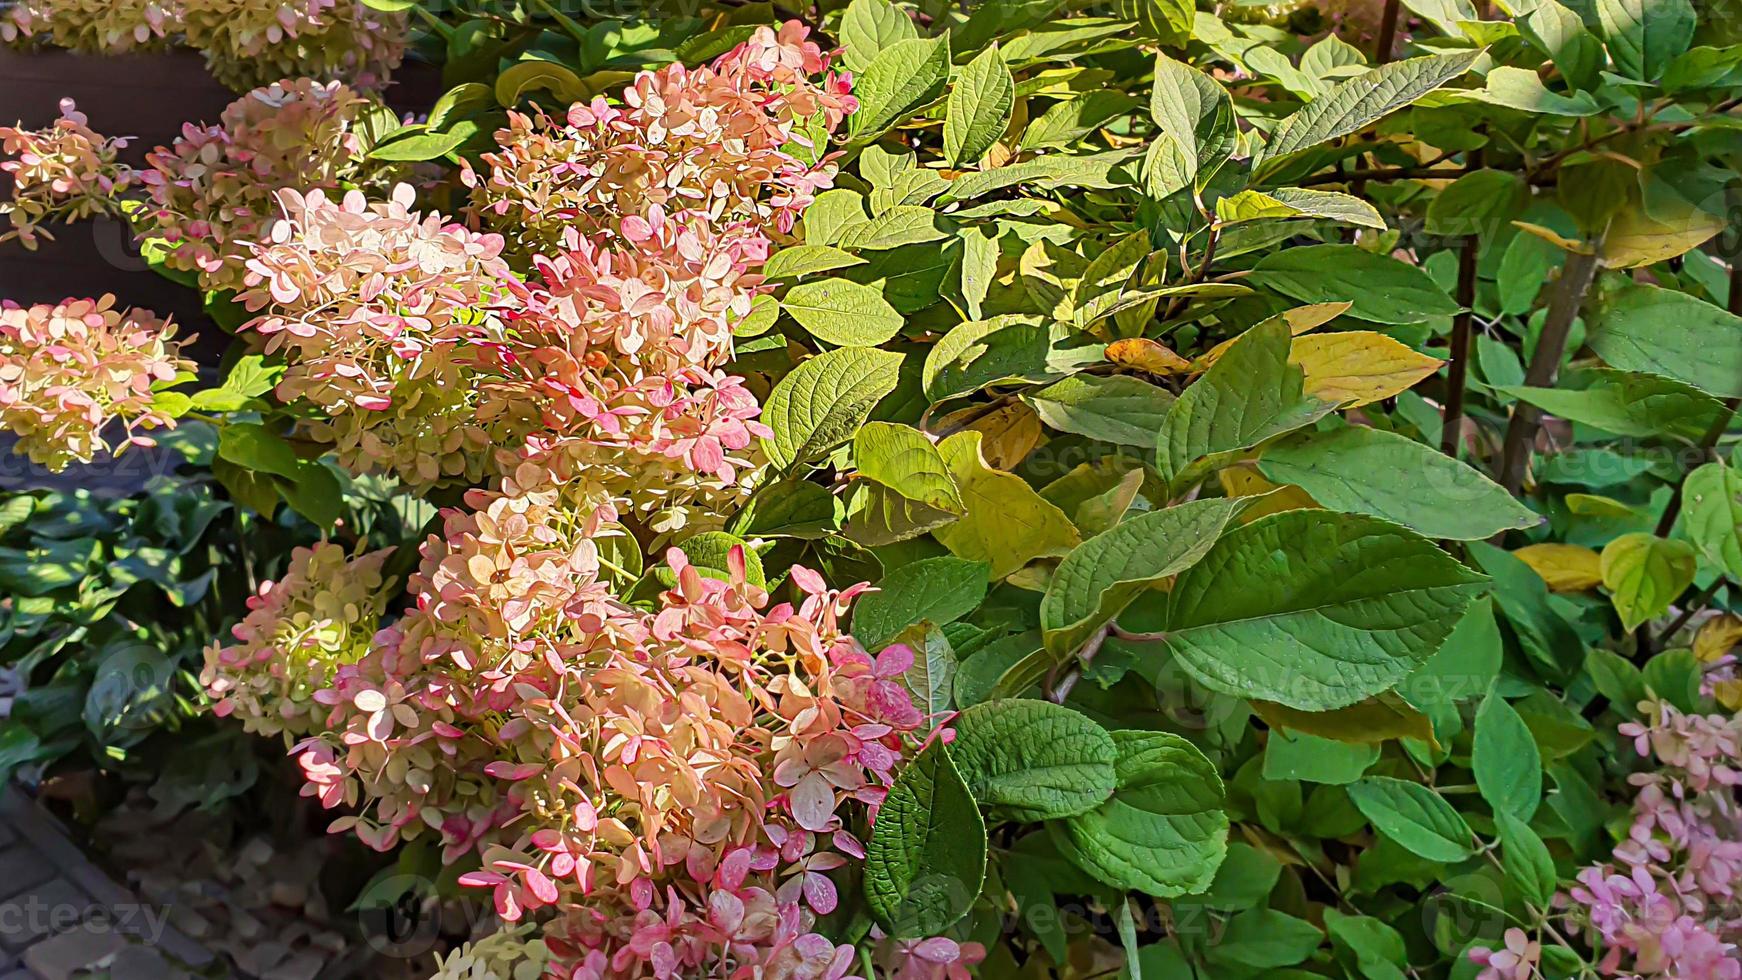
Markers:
(978, 108)
(1645, 573)
(842, 312)
(1662, 331)
(822, 403)
(937, 590)
(1354, 104)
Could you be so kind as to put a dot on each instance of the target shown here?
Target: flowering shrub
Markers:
(66, 172)
(246, 43)
(995, 500)
(69, 370)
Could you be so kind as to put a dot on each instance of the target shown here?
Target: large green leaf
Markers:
(978, 108)
(905, 460)
(1315, 610)
(825, 400)
(1252, 393)
(1645, 573)
(1644, 36)
(1007, 524)
(1121, 409)
(1370, 471)
(1712, 513)
(1661, 331)
(937, 590)
(1009, 347)
(1195, 112)
(1163, 832)
(1380, 288)
(1526, 860)
(843, 313)
(1104, 574)
(927, 854)
(1414, 816)
(902, 77)
(869, 26)
(1504, 758)
(1629, 404)
(1354, 104)
(1033, 760)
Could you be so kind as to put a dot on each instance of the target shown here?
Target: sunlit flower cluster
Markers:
(211, 191)
(92, 26)
(253, 42)
(68, 371)
(65, 172)
(383, 316)
(740, 139)
(321, 614)
(1670, 905)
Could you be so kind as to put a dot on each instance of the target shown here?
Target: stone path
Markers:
(60, 914)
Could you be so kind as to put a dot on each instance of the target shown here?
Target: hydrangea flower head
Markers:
(69, 370)
(66, 172)
(248, 43)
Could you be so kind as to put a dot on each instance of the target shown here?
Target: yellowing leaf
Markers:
(1244, 481)
(1300, 320)
(1551, 236)
(1357, 367)
(1383, 716)
(1149, 356)
(1565, 567)
(1636, 238)
(1717, 636)
(1008, 435)
(1645, 573)
(1008, 524)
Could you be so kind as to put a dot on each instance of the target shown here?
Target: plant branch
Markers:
(1452, 424)
(1576, 279)
(1387, 33)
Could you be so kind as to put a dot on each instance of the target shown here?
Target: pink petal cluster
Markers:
(673, 782)
(66, 172)
(212, 190)
(92, 26)
(711, 140)
(1670, 905)
(69, 370)
(298, 631)
(384, 318)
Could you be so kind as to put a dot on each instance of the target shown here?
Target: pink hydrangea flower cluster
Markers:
(385, 320)
(709, 140)
(1670, 905)
(321, 614)
(92, 26)
(672, 781)
(212, 190)
(246, 43)
(66, 172)
(69, 370)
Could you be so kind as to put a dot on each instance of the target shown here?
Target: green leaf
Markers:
(315, 493)
(1548, 641)
(868, 27)
(825, 400)
(1645, 573)
(1163, 832)
(1260, 941)
(1009, 347)
(1712, 515)
(882, 516)
(1167, 21)
(1252, 393)
(1120, 409)
(1195, 112)
(1522, 89)
(902, 77)
(255, 447)
(1311, 759)
(1028, 761)
(1007, 524)
(931, 680)
(803, 260)
(847, 314)
(1051, 172)
(1661, 331)
(903, 224)
(1369, 471)
(1628, 404)
(978, 108)
(1526, 860)
(1315, 610)
(1246, 878)
(927, 855)
(787, 508)
(415, 144)
(1104, 574)
(1479, 203)
(1504, 758)
(1069, 121)
(937, 590)
(1415, 817)
(1354, 104)
(1380, 288)
(1644, 36)
(1375, 950)
(1297, 202)
(1562, 35)
(905, 460)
